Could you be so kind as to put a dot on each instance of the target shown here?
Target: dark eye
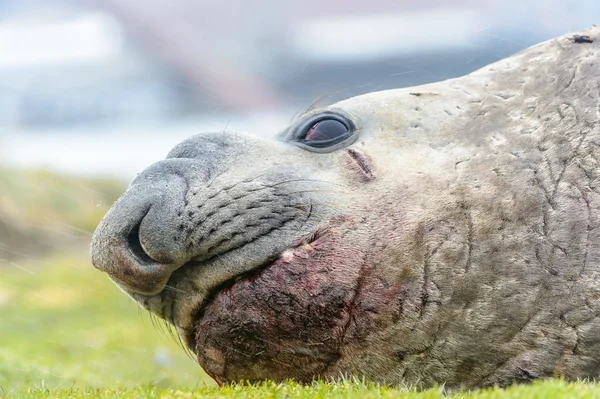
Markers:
(326, 133)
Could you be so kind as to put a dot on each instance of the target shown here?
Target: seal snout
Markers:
(121, 254)
(187, 211)
(134, 243)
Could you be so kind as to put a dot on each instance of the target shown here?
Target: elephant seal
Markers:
(446, 233)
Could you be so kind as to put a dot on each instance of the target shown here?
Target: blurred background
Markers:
(92, 91)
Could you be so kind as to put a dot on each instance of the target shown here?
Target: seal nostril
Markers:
(135, 245)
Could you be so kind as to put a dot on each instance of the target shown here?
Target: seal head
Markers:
(436, 234)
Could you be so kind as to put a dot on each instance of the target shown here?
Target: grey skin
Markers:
(452, 238)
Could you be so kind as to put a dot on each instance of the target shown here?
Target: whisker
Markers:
(317, 215)
(179, 341)
(323, 204)
(229, 187)
(163, 327)
(153, 321)
(272, 185)
(170, 288)
(313, 105)
(318, 191)
(302, 181)
(306, 213)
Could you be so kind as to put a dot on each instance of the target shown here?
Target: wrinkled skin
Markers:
(453, 239)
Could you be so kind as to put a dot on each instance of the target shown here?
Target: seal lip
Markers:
(296, 132)
(188, 332)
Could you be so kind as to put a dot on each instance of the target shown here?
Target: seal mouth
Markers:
(286, 319)
(189, 337)
(298, 248)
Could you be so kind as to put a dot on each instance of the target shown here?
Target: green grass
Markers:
(64, 325)
(349, 389)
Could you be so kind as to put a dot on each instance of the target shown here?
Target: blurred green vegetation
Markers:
(65, 324)
(43, 199)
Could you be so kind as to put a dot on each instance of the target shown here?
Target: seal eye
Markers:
(322, 132)
(326, 133)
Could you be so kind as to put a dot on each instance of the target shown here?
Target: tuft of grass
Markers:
(346, 389)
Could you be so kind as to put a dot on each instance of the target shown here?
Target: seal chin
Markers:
(286, 319)
(302, 248)
(185, 324)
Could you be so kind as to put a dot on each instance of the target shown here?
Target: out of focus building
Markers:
(98, 61)
(68, 66)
